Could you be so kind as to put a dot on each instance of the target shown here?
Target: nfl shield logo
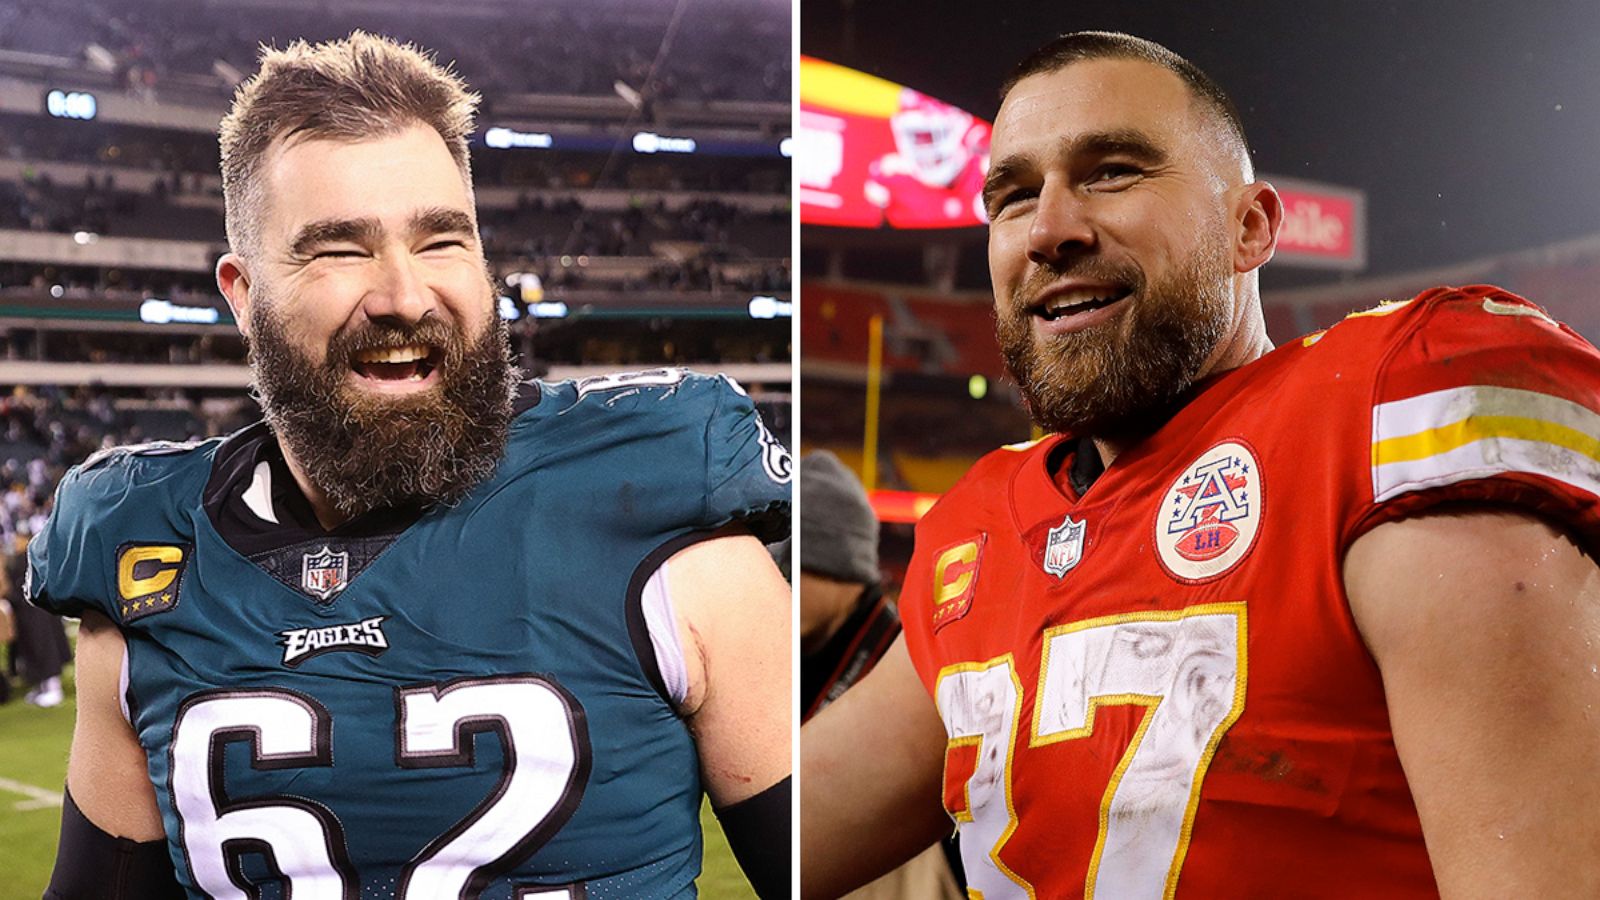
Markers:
(1064, 548)
(325, 573)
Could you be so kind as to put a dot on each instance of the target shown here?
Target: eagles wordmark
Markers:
(365, 636)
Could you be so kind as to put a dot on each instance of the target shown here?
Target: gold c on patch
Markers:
(148, 577)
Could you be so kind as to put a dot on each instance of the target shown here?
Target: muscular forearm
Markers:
(870, 765)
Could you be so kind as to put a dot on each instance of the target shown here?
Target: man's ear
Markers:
(233, 279)
(1258, 215)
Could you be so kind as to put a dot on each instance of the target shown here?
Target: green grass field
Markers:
(33, 766)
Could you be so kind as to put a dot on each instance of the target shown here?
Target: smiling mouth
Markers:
(409, 362)
(1078, 301)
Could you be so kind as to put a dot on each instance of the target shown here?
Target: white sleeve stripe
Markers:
(659, 620)
(1485, 459)
(1414, 415)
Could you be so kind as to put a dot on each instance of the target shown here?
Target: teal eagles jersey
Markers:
(462, 704)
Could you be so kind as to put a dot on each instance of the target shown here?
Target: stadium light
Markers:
(650, 142)
(764, 307)
(508, 309)
(71, 104)
(549, 310)
(506, 138)
(165, 312)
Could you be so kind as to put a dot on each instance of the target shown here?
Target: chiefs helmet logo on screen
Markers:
(1209, 517)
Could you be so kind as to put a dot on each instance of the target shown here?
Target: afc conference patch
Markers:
(1208, 519)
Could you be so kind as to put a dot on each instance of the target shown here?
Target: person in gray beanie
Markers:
(845, 622)
(846, 625)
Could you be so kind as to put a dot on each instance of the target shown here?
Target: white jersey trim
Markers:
(656, 602)
(122, 687)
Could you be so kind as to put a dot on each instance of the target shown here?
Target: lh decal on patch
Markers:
(1209, 517)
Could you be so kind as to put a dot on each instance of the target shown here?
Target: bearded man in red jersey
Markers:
(1316, 621)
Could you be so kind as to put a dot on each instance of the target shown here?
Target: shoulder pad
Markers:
(1484, 397)
(112, 455)
(633, 381)
(697, 439)
(988, 481)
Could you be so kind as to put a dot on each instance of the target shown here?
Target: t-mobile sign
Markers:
(1323, 226)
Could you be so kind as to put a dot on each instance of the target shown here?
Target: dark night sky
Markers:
(1473, 126)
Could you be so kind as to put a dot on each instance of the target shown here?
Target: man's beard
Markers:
(367, 451)
(1121, 378)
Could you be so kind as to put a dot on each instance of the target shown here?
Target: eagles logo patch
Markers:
(1209, 517)
(148, 578)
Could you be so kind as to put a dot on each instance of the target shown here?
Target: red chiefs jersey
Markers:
(1157, 688)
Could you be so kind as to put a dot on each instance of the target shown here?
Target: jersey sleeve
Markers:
(748, 470)
(66, 568)
(1487, 399)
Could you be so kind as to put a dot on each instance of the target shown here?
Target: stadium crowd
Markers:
(721, 52)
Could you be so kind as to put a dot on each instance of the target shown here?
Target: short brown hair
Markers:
(1080, 46)
(361, 87)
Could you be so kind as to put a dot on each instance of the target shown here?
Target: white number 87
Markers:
(1186, 666)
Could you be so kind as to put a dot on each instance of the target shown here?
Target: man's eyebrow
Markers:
(329, 231)
(441, 220)
(1118, 142)
(1129, 142)
(433, 220)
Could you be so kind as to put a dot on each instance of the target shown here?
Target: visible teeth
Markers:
(406, 354)
(1073, 298)
(414, 376)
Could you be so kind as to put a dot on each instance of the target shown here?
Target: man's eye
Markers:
(336, 254)
(1009, 199)
(445, 245)
(1114, 172)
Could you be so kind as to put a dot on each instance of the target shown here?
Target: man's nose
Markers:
(1061, 226)
(400, 293)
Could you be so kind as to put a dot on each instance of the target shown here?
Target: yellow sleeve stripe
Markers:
(1476, 428)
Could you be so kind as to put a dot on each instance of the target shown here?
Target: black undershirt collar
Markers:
(233, 471)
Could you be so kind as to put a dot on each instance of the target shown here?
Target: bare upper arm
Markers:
(733, 612)
(1486, 627)
(107, 771)
(871, 766)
